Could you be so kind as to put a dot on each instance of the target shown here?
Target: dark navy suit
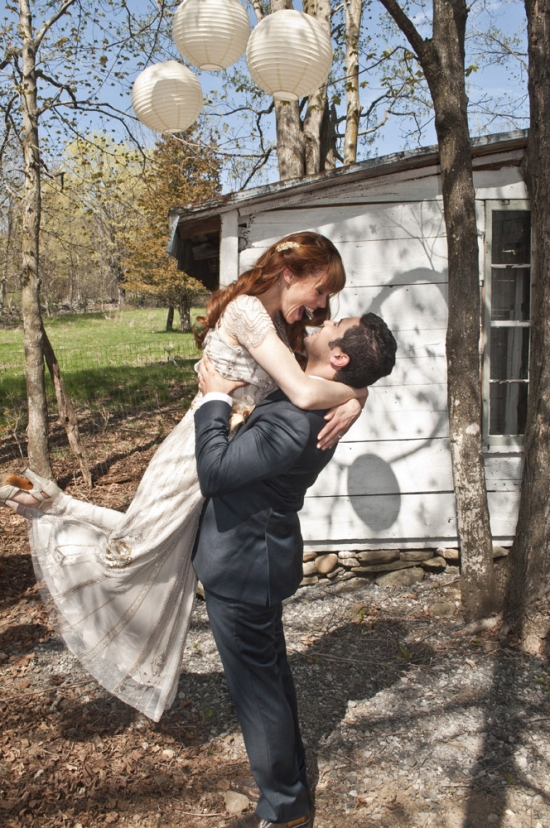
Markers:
(248, 556)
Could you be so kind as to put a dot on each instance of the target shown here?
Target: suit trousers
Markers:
(251, 643)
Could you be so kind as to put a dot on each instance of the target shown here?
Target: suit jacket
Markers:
(249, 545)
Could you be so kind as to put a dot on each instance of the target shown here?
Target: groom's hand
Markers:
(210, 380)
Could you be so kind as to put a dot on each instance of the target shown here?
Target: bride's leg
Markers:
(70, 507)
(66, 506)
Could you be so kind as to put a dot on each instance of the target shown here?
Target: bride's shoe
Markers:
(43, 490)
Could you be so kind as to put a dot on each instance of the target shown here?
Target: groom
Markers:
(248, 554)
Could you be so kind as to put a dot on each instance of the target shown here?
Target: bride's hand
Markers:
(361, 395)
(339, 420)
(210, 380)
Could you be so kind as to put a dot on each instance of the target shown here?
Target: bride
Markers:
(121, 586)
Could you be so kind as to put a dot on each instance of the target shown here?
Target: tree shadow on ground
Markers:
(337, 668)
(512, 715)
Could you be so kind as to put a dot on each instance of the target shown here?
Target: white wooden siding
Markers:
(390, 482)
(405, 521)
(420, 411)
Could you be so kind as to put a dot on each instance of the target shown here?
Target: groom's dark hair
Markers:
(371, 348)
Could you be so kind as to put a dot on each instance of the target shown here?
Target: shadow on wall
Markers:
(374, 491)
(373, 487)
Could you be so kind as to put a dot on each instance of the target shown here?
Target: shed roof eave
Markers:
(383, 165)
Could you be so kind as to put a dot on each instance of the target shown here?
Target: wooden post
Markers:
(229, 248)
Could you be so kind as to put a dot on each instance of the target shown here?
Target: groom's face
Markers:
(318, 345)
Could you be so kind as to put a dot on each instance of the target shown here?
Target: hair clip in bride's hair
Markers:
(288, 245)
(309, 313)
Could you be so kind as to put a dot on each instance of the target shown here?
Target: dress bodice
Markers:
(247, 319)
(234, 362)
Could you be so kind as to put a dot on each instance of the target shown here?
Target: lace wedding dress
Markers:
(121, 587)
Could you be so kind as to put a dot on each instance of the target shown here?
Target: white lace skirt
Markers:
(121, 587)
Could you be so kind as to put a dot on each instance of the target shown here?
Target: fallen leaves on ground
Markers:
(70, 754)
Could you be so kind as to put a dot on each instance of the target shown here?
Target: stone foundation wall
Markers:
(390, 567)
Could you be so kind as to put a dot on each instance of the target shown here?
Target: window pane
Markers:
(509, 353)
(511, 237)
(508, 408)
(510, 294)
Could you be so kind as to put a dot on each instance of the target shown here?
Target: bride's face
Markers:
(299, 294)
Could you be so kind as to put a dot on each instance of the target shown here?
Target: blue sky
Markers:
(503, 84)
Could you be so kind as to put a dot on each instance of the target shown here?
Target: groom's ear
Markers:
(338, 359)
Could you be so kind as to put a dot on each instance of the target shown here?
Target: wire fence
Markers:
(77, 359)
(104, 383)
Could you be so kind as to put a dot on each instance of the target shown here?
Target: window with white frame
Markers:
(507, 321)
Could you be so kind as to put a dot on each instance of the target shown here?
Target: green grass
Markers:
(119, 361)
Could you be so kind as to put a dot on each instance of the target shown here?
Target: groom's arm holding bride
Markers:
(271, 447)
(280, 438)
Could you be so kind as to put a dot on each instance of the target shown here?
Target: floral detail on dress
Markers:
(247, 320)
(118, 554)
(234, 362)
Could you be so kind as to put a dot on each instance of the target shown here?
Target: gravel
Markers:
(407, 720)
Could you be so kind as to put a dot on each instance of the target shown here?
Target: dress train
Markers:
(121, 587)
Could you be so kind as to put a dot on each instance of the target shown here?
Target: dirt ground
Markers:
(71, 755)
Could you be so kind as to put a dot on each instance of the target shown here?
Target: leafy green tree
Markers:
(181, 169)
(89, 209)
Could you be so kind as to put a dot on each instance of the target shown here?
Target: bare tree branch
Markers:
(258, 167)
(47, 25)
(408, 28)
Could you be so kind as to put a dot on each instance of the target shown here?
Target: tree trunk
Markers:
(353, 9)
(170, 318)
(67, 416)
(305, 148)
(5, 269)
(528, 605)
(185, 316)
(317, 102)
(71, 279)
(447, 85)
(442, 61)
(37, 429)
(290, 138)
(329, 138)
(3, 283)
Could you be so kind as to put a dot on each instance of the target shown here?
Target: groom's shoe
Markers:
(247, 787)
(255, 821)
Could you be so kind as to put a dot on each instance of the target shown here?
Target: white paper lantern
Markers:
(211, 34)
(167, 97)
(289, 54)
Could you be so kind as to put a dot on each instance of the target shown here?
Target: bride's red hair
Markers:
(304, 254)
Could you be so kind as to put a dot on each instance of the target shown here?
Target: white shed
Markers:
(389, 484)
